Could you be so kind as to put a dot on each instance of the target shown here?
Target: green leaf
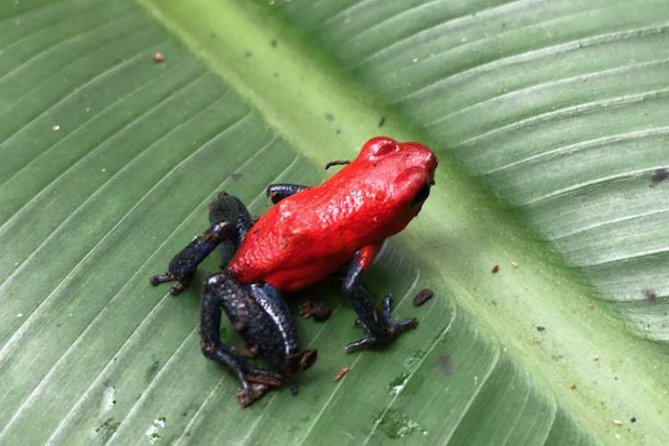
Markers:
(551, 123)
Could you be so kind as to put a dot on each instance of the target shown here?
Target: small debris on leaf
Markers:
(618, 422)
(514, 264)
(650, 295)
(495, 269)
(591, 306)
(572, 386)
(540, 328)
(382, 121)
(595, 358)
(423, 296)
(659, 175)
(446, 364)
(158, 57)
(341, 373)
(633, 420)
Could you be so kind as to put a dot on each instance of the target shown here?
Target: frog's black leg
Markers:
(277, 192)
(379, 324)
(223, 293)
(230, 222)
(183, 266)
(263, 320)
(229, 208)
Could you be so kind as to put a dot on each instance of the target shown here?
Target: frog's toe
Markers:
(367, 341)
(251, 393)
(263, 376)
(180, 285)
(396, 327)
(178, 288)
(399, 327)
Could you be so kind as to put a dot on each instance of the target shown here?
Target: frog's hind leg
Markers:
(223, 293)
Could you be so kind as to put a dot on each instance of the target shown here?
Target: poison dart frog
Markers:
(308, 234)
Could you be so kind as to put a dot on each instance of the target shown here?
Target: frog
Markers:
(308, 234)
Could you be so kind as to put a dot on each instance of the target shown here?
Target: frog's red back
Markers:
(310, 235)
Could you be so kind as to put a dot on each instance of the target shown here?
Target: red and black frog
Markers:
(310, 233)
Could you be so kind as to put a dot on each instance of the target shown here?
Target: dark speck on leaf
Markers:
(659, 175)
(236, 176)
(495, 269)
(445, 364)
(329, 116)
(540, 328)
(423, 296)
(152, 370)
(650, 295)
(633, 419)
(382, 121)
(274, 43)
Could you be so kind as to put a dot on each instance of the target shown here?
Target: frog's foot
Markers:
(177, 288)
(256, 382)
(251, 393)
(383, 330)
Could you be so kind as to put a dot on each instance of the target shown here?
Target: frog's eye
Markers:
(380, 146)
(422, 194)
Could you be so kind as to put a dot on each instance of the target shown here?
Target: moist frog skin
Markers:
(310, 233)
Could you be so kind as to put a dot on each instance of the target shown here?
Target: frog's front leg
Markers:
(381, 328)
(263, 321)
(230, 221)
(227, 207)
(183, 266)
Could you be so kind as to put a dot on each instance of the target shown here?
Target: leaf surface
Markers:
(550, 120)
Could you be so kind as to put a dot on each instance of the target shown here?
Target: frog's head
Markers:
(406, 168)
